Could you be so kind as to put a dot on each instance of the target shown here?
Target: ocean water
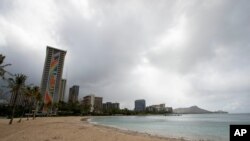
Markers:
(214, 127)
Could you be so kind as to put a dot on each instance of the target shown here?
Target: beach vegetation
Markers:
(68, 109)
(2, 67)
(38, 98)
(17, 86)
(31, 99)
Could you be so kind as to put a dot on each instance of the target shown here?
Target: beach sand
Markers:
(68, 129)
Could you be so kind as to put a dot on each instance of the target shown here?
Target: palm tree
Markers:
(38, 98)
(2, 70)
(28, 95)
(32, 98)
(17, 86)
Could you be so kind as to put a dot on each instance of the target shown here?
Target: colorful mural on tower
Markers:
(50, 89)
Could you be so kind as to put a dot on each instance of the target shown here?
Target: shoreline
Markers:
(131, 132)
(70, 129)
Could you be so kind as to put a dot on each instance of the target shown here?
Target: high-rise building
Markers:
(140, 105)
(116, 105)
(73, 94)
(52, 75)
(94, 103)
(62, 90)
(157, 108)
(98, 104)
(108, 106)
(89, 101)
(160, 108)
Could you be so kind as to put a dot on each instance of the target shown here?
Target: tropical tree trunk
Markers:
(13, 108)
(24, 109)
(35, 111)
(20, 120)
(16, 86)
(29, 110)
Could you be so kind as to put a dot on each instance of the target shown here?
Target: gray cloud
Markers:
(179, 53)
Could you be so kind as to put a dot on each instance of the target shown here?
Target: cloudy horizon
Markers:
(180, 53)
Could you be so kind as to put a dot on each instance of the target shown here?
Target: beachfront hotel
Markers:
(140, 105)
(108, 106)
(156, 108)
(159, 108)
(73, 94)
(95, 103)
(52, 76)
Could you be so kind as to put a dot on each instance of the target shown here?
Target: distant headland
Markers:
(196, 110)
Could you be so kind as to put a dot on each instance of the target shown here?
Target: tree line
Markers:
(16, 84)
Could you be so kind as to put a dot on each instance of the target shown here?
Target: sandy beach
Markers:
(68, 129)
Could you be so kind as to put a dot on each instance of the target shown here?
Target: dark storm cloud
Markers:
(181, 53)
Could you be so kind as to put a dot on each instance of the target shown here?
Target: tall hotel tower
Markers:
(62, 90)
(52, 75)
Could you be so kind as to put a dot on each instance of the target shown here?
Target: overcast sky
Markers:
(181, 53)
